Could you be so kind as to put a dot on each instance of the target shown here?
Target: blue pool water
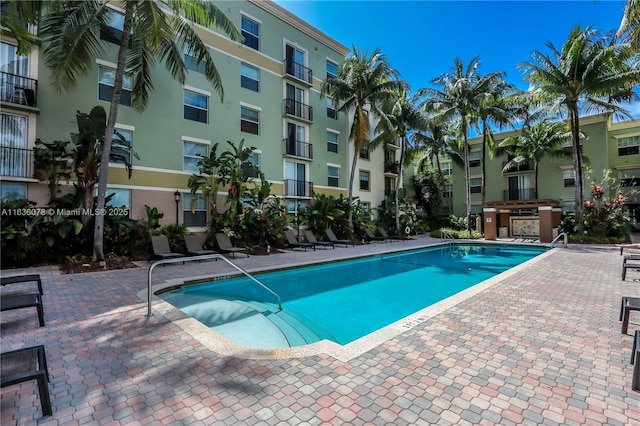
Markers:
(342, 301)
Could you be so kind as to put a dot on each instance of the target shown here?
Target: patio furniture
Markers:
(20, 279)
(312, 239)
(390, 237)
(628, 304)
(10, 302)
(194, 247)
(635, 356)
(370, 237)
(226, 247)
(332, 237)
(161, 248)
(23, 365)
(293, 243)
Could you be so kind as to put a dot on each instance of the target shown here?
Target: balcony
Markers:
(392, 167)
(297, 109)
(16, 162)
(521, 168)
(18, 90)
(519, 194)
(297, 71)
(298, 188)
(298, 148)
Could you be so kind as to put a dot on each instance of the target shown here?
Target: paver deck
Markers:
(541, 346)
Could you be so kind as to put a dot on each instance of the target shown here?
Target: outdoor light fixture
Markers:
(176, 196)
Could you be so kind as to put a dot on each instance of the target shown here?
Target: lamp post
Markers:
(298, 218)
(176, 197)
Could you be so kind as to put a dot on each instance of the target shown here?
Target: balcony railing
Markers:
(18, 90)
(297, 109)
(391, 167)
(298, 71)
(16, 162)
(298, 148)
(298, 188)
(519, 194)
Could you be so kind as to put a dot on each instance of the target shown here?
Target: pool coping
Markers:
(344, 353)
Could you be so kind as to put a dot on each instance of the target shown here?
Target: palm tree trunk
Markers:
(535, 178)
(577, 164)
(484, 152)
(467, 171)
(398, 182)
(98, 230)
(354, 163)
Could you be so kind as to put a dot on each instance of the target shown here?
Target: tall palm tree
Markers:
(70, 33)
(545, 138)
(363, 83)
(589, 74)
(403, 120)
(458, 99)
(630, 24)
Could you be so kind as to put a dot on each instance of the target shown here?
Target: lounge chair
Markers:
(292, 242)
(226, 247)
(332, 237)
(26, 364)
(390, 237)
(370, 237)
(161, 248)
(19, 279)
(194, 247)
(312, 239)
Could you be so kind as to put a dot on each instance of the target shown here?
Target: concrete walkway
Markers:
(539, 346)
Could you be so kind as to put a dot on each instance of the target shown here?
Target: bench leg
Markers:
(40, 312)
(625, 321)
(45, 399)
(624, 272)
(634, 347)
(624, 302)
(635, 381)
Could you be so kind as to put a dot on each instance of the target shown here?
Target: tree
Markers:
(363, 82)
(403, 119)
(630, 24)
(533, 143)
(70, 33)
(590, 74)
(459, 97)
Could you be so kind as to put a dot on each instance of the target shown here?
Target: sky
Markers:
(422, 38)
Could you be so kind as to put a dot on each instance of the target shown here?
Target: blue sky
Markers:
(422, 38)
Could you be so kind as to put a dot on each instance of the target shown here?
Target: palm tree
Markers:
(588, 74)
(403, 119)
(630, 24)
(363, 82)
(458, 100)
(533, 143)
(70, 34)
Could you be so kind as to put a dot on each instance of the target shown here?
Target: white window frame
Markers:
(127, 85)
(250, 121)
(194, 141)
(331, 167)
(255, 21)
(199, 207)
(332, 143)
(250, 78)
(628, 142)
(195, 107)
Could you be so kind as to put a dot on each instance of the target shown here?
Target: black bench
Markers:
(19, 279)
(628, 304)
(627, 264)
(635, 355)
(27, 364)
(19, 301)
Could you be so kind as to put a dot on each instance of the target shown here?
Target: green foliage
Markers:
(175, 234)
(51, 161)
(605, 214)
(457, 234)
(428, 188)
(153, 218)
(324, 211)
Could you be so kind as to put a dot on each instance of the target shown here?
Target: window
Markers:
(332, 112)
(333, 174)
(106, 77)
(13, 143)
(389, 186)
(119, 198)
(366, 206)
(629, 177)
(364, 153)
(448, 190)
(253, 168)
(120, 153)
(249, 120)
(569, 206)
(191, 62)
(11, 191)
(475, 185)
(474, 159)
(113, 30)
(196, 106)
(447, 168)
(192, 152)
(296, 141)
(251, 33)
(11, 62)
(569, 177)
(332, 69)
(295, 60)
(249, 77)
(629, 146)
(364, 180)
(199, 216)
(332, 141)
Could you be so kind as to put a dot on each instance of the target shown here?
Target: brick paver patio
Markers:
(541, 346)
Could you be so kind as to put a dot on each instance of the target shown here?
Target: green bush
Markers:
(175, 234)
(457, 234)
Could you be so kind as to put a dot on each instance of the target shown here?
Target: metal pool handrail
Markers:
(202, 257)
(445, 236)
(565, 239)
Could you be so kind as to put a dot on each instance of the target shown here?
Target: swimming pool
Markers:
(342, 301)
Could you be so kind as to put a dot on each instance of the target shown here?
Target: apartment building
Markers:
(271, 100)
(608, 145)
